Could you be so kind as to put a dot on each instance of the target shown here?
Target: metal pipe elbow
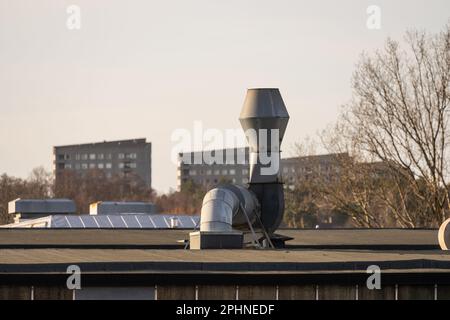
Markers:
(228, 206)
(218, 208)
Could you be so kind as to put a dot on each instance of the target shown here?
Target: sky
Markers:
(148, 68)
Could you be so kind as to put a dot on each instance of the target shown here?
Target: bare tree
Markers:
(188, 200)
(399, 116)
(307, 188)
(94, 186)
(37, 186)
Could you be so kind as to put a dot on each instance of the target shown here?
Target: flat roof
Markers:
(413, 239)
(115, 142)
(145, 257)
(134, 260)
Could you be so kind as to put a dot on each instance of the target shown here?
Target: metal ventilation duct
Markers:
(229, 208)
(264, 119)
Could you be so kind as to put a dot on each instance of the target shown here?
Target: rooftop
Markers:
(141, 256)
(368, 239)
(41, 246)
(112, 143)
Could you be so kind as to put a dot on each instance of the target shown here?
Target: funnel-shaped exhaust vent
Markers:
(264, 109)
(264, 119)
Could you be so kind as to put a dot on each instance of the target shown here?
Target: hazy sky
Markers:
(145, 68)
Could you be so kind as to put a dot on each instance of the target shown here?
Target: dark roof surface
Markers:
(133, 260)
(153, 252)
(126, 142)
(172, 238)
(139, 256)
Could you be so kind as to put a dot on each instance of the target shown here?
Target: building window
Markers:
(131, 155)
(121, 156)
(60, 156)
(109, 156)
(100, 156)
(127, 165)
(77, 166)
(67, 166)
(217, 172)
(244, 172)
(84, 156)
(285, 170)
(91, 165)
(232, 171)
(101, 165)
(92, 156)
(84, 166)
(208, 172)
(192, 172)
(109, 165)
(60, 165)
(224, 172)
(244, 180)
(77, 156)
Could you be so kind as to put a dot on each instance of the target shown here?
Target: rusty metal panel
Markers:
(15, 293)
(337, 292)
(385, 293)
(213, 292)
(175, 292)
(257, 292)
(52, 293)
(301, 292)
(416, 292)
(443, 292)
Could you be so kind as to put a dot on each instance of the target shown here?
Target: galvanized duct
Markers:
(264, 119)
(227, 207)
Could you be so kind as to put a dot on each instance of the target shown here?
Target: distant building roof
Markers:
(319, 157)
(38, 206)
(121, 207)
(111, 143)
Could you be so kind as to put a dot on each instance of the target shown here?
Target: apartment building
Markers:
(123, 158)
(195, 167)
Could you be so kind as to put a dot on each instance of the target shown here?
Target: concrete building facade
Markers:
(123, 158)
(210, 174)
(195, 167)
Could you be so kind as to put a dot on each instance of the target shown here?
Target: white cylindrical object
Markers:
(444, 235)
(218, 208)
(226, 207)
